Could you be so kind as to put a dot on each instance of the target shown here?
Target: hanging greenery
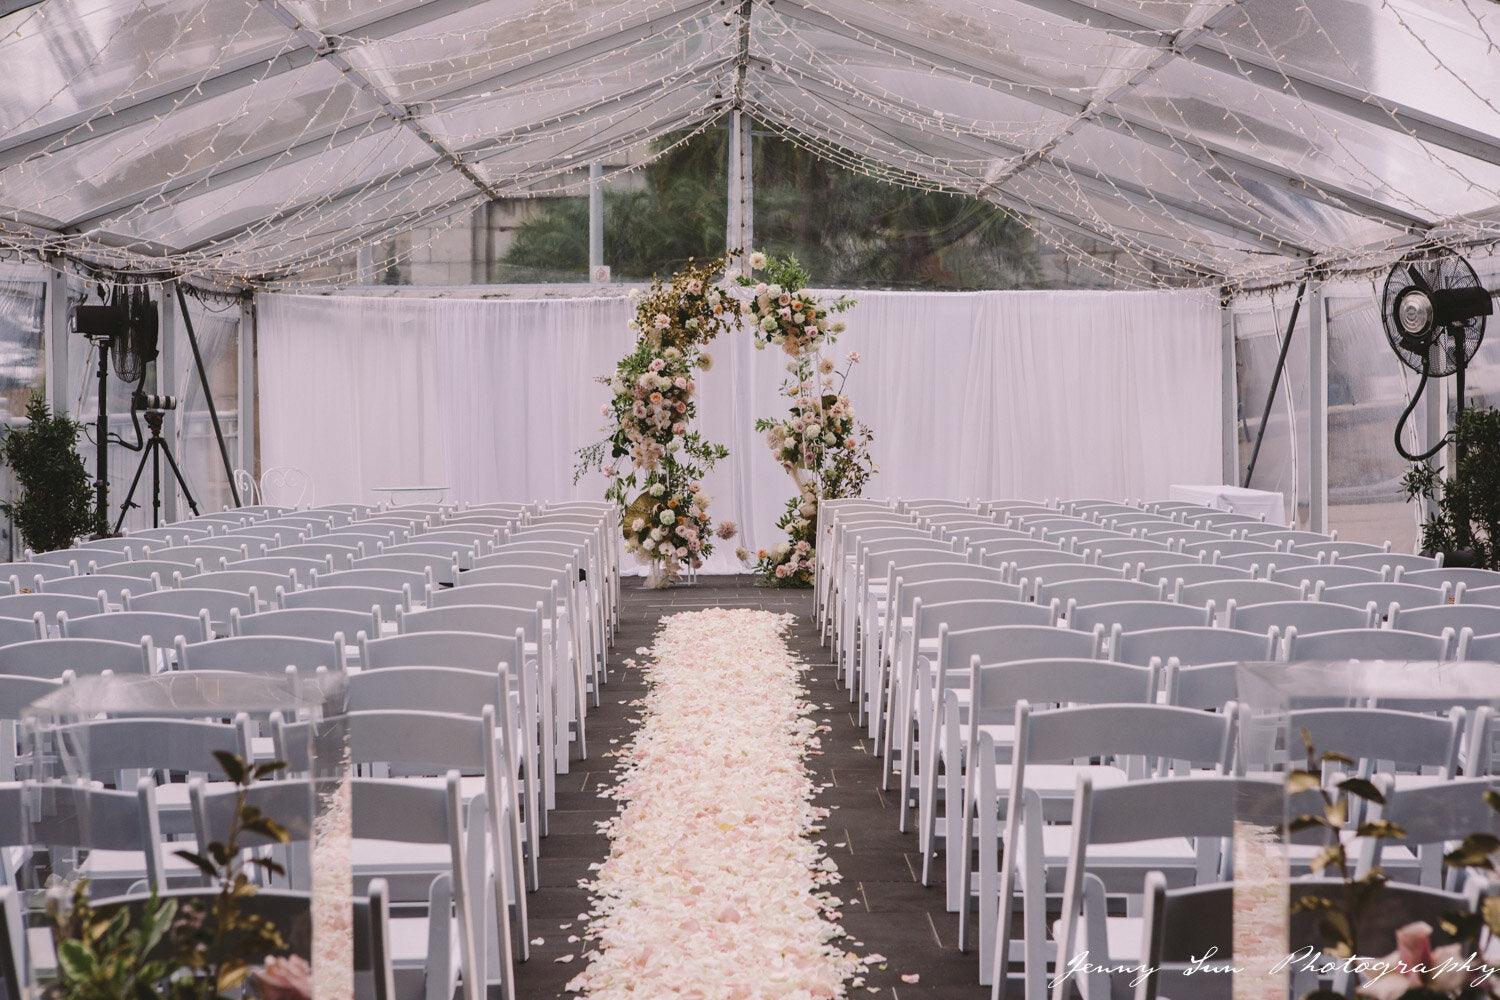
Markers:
(54, 498)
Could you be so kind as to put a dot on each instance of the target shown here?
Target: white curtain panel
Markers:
(985, 394)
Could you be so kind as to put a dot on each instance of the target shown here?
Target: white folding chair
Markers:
(51, 658)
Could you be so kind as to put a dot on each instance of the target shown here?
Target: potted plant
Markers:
(54, 498)
(1465, 525)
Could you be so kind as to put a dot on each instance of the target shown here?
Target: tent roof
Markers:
(1213, 141)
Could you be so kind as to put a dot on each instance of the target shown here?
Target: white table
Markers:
(1267, 504)
(392, 492)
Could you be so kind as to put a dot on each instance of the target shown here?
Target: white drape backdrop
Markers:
(985, 394)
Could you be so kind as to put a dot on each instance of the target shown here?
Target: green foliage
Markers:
(54, 502)
(188, 952)
(1468, 504)
(849, 229)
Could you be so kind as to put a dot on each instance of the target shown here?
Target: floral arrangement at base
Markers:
(819, 442)
(653, 404)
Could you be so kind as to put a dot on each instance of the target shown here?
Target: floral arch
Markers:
(656, 459)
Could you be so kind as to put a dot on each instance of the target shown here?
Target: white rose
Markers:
(658, 489)
(757, 260)
(774, 291)
(668, 516)
(638, 525)
(768, 324)
(648, 545)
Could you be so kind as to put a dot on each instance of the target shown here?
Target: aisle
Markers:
(885, 907)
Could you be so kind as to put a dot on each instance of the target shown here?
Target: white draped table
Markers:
(1267, 504)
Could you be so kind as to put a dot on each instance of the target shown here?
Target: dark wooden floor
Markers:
(887, 909)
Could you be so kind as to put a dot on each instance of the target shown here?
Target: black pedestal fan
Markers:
(1433, 310)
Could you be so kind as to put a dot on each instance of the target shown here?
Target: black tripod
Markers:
(156, 446)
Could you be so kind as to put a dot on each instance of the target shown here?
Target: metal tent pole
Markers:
(1286, 342)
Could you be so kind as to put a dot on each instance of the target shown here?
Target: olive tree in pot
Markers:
(54, 498)
(1465, 526)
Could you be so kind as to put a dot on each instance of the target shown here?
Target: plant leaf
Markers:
(199, 862)
(1363, 789)
(1302, 781)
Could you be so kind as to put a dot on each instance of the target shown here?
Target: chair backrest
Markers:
(553, 559)
(1339, 548)
(1093, 551)
(240, 582)
(1088, 591)
(486, 618)
(1191, 645)
(13, 630)
(1216, 549)
(388, 534)
(101, 749)
(1383, 595)
(307, 623)
(386, 602)
(18, 694)
(339, 555)
(1134, 616)
(1188, 574)
(181, 534)
(1383, 738)
(26, 605)
(131, 626)
(1324, 573)
(1259, 563)
(275, 534)
(973, 613)
(425, 689)
(299, 567)
(460, 650)
(1367, 644)
(1008, 643)
(52, 657)
(380, 579)
(1219, 593)
(1482, 619)
(27, 572)
(1480, 647)
(1431, 815)
(163, 569)
(1451, 575)
(1160, 735)
(1014, 561)
(1036, 577)
(530, 575)
(84, 556)
(112, 587)
(440, 568)
(261, 654)
(1056, 681)
(1204, 686)
(286, 485)
(1136, 559)
(508, 595)
(1396, 562)
(460, 552)
(213, 553)
(193, 600)
(1480, 595)
(85, 817)
(960, 588)
(1305, 616)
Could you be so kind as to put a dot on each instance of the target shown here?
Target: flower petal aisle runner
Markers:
(714, 886)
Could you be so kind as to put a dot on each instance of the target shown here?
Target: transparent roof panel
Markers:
(494, 45)
(324, 185)
(169, 158)
(1286, 130)
(82, 54)
(1219, 139)
(1000, 37)
(1436, 57)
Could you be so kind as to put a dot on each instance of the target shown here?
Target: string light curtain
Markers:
(1208, 142)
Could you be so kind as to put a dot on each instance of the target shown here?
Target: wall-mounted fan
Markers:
(1433, 310)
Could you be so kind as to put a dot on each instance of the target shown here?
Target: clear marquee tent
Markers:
(1219, 142)
(1224, 150)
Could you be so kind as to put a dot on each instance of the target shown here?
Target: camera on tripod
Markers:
(151, 402)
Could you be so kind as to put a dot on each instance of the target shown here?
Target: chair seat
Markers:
(1059, 781)
(1122, 940)
(1168, 852)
